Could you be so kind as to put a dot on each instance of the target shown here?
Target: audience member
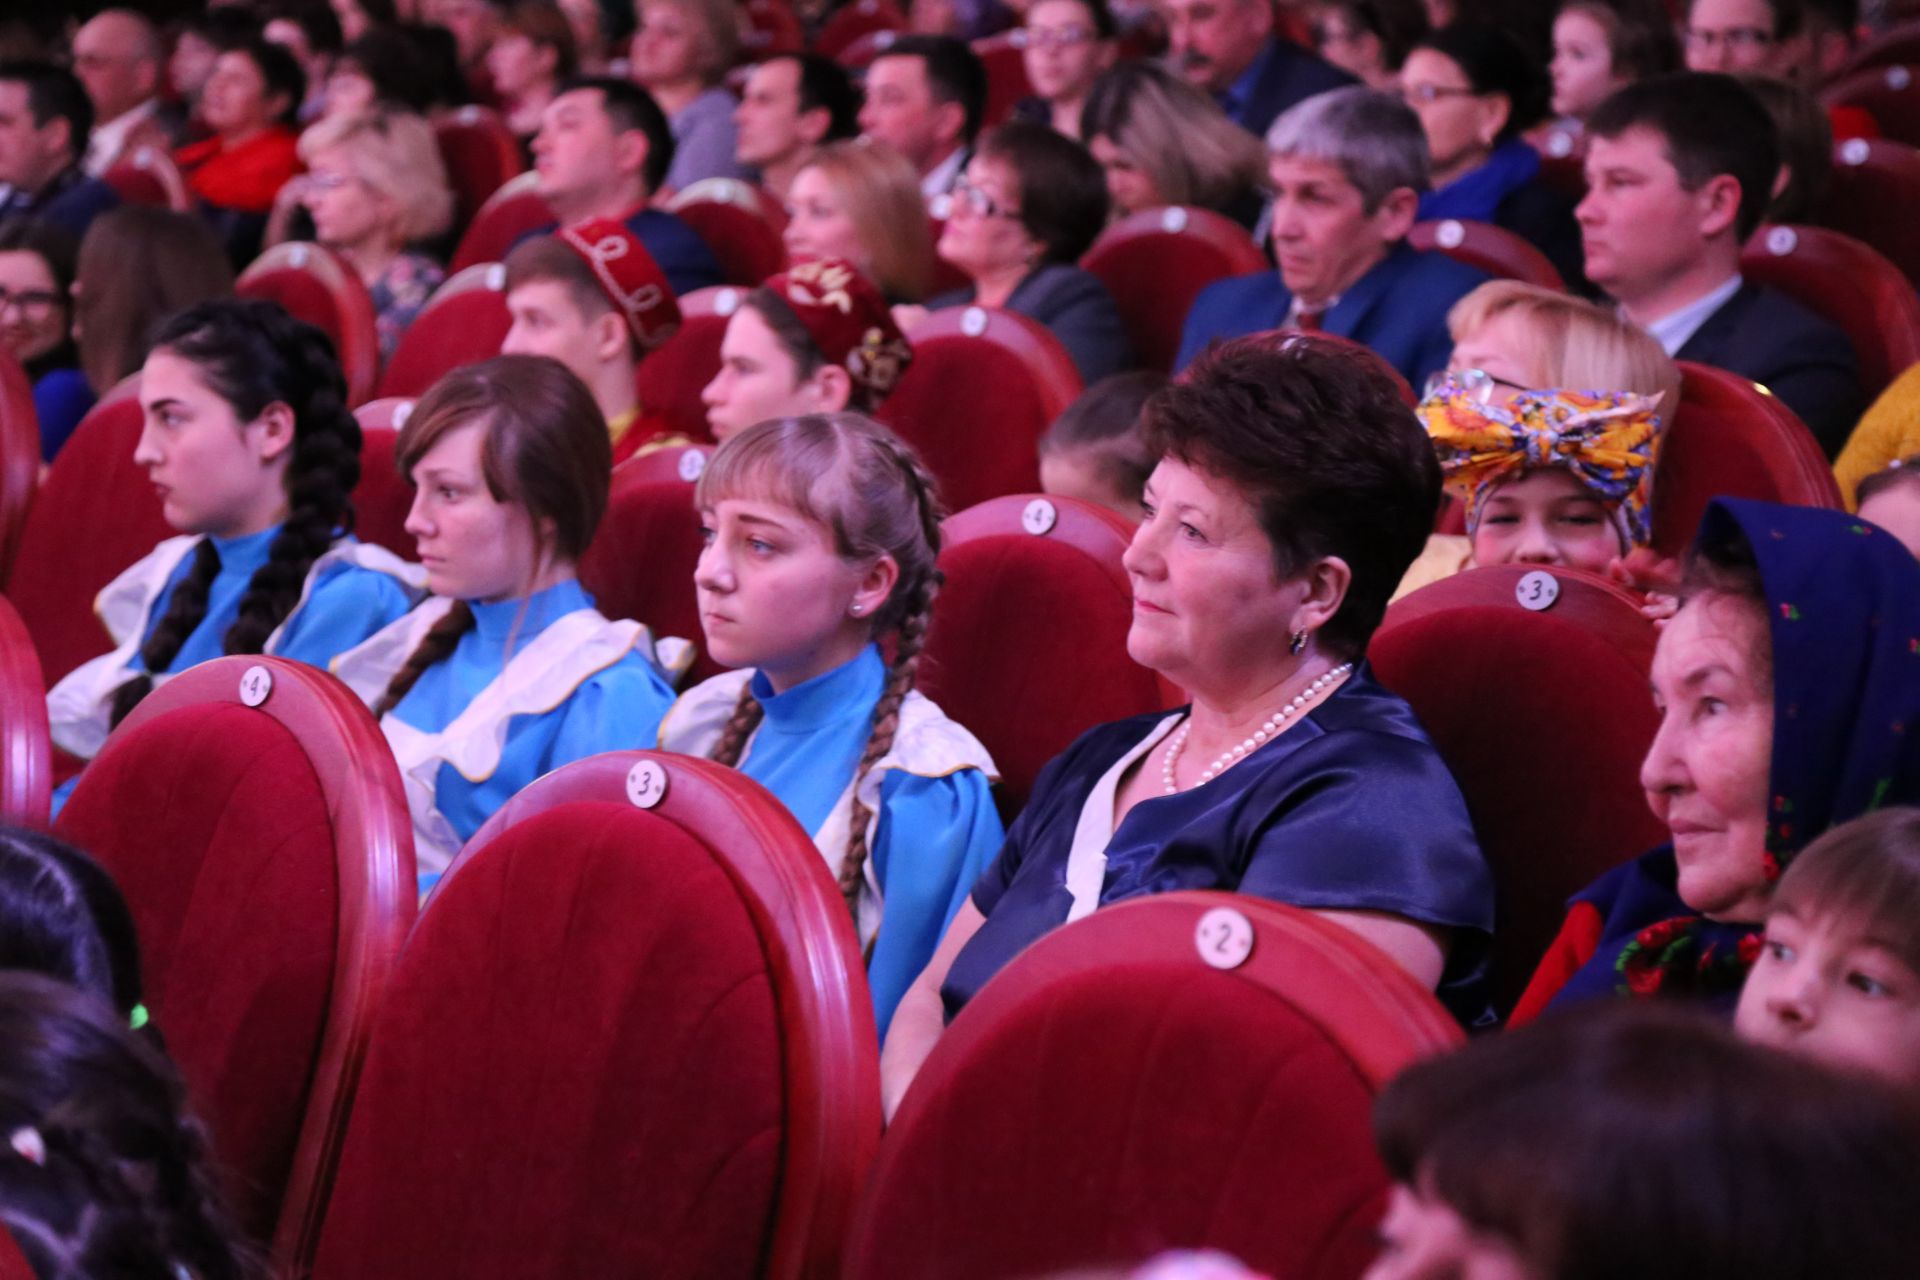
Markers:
(1888, 432)
(249, 104)
(860, 201)
(1230, 49)
(1095, 450)
(1632, 1141)
(473, 25)
(816, 339)
(1603, 45)
(1294, 487)
(45, 118)
(36, 324)
(358, 17)
(249, 442)
(1806, 149)
(681, 53)
(1838, 975)
(1163, 142)
(1347, 169)
(1679, 173)
(592, 298)
(508, 671)
(926, 96)
(602, 151)
(593, 37)
(116, 310)
(793, 105)
(1833, 33)
(381, 70)
(118, 56)
(530, 57)
(1030, 203)
(1768, 38)
(1065, 45)
(202, 37)
(376, 184)
(1891, 499)
(1783, 684)
(896, 795)
(309, 31)
(1367, 39)
(61, 915)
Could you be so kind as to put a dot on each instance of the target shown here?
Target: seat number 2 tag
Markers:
(1224, 938)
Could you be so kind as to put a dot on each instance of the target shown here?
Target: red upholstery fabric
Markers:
(728, 216)
(1110, 1095)
(623, 1042)
(859, 53)
(1851, 285)
(1565, 175)
(1028, 647)
(1577, 942)
(1155, 262)
(509, 213)
(465, 320)
(772, 28)
(1494, 250)
(267, 856)
(25, 752)
(317, 286)
(1897, 44)
(855, 20)
(975, 403)
(1888, 93)
(481, 155)
(383, 497)
(640, 564)
(1544, 718)
(671, 379)
(19, 453)
(1007, 81)
(1729, 438)
(13, 1266)
(150, 177)
(676, 464)
(1874, 185)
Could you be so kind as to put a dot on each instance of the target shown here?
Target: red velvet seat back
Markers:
(641, 561)
(1495, 250)
(849, 22)
(1890, 94)
(317, 286)
(481, 155)
(982, 388)
(509, 213)
(383, 497)
(149, 176)
(1874, 185)
(1544, 718)
(1729, 438)
(1007, 83)
(1848, 284)
(1109, 1095)
(19, 454)
(25, 751)
(267, 856)
(671, 379)
(734, 220)
(1155, 262)
(1897, 44)
(1029, 641)
(622, 1042)
(465, 320)
(772, 29)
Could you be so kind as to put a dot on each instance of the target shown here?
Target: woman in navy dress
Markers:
(1294, 489)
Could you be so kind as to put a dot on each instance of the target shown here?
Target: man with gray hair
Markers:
(119, 57)
(1347, 169)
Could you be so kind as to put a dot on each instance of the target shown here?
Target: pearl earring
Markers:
(854, 610)
(1297, 643)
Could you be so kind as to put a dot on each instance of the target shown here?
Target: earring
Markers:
(854, 610)
(1297, 642)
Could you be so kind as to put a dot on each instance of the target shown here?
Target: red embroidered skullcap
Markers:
(628, 275)
(848, 320)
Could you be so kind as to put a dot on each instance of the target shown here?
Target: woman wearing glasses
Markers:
(1067, 44)
(36, 322)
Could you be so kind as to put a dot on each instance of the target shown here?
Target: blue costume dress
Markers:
(1843, 609)
(479, 725)
(1350, 809)
(934, 827)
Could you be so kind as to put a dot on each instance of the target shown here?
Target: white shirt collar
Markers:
(107, 140)
(940, 179)
(1674, 329)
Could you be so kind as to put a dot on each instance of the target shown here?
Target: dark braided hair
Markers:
(62, 915)
(252, 354)
(856, 478)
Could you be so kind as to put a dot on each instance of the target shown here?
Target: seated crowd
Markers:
(1714, 1067)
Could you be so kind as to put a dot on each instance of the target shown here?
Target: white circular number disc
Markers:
(1224, 938)
(1450, 234)
(255, 684)
(692, 463)
(1173, 218)
(726, 302)
(1537, 590)
(646, 784)
(1039, 517)
(973, 321)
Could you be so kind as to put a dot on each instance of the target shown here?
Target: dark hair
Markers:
(51, 242)
(1899, 472)
(1104, 422)
(62, 915)
(181, 263)
(1806, 147)
(124, 1183)
(1316, 433)
(1788, 16)
(1630, 1138)
(549, 258)
(826, 86)
(316, 20)
(1104, 27)
(54, 93)
(443, 82)
(281, 71)
(225, 26)
(252, 354)
(543, 24)
(793, 337)
(545, 449)
(1866, 872)
(1062, 189)
(1711, 124)
(628, 106)
(1396, 24)
(954, 74)
(393, 62)
(1495, 62)
(1641, 42)
(1841, 15)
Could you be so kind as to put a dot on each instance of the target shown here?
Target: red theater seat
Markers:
(1112, 1094)
(676, 464)
(509, 213)
(622, 1041)
(982, 387)
(1874, 185)
(728, 214)
(1887, 93)
(317, 286)
(383, 497)
(859, 53)
(267, 855)
(150, 177)
(19, 454)
(26, 754)
(1029, 641)
(1730, 438)
(1155, 262)
(850, 22)
(772, 29)
(481, 155)
(465, 320)
(1841, 279)
(1007, 83)
(641, 562)
(1544, 718)
(1896, 45)
(1495, 250)
(671, 379)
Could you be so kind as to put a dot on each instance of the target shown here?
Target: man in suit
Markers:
(1229, 48)
(1347, 170)
(1679, 172)
(44, 121)
(926, 97)
(120, 58)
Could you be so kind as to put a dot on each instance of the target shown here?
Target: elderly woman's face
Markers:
(1706, 774)
(347, 213)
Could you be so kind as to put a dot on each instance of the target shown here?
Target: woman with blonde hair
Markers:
(1162, 141)
(529, 59)
(860, 201)
(682, 50)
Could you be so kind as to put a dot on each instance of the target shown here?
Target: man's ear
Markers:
(813, 125)
(951, 120)
(1396, 214)
(630, 151)
(612, 340)
(1719, 203)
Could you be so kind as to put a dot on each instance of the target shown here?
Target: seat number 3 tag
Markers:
(1224, 938)
(646, 784)
(1537, 590)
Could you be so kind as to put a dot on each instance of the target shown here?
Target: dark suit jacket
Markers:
(677, 249)
(1290, 74)
(1807, 362)
(1076, 307)
(1399, 308)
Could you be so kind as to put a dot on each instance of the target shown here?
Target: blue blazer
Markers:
(1287, 74)
(1399, 308)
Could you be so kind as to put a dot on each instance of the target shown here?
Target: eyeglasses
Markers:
(978, 202)
(34, 304)
(1051, 37)
(1424, 95)
(1734, 38)
(1476, 384)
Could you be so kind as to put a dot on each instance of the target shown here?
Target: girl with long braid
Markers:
(249, 442)
(821, 538)
(509, 671)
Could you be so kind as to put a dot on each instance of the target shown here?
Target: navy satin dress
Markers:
(1350, 809)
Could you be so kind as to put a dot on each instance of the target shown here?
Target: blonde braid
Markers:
(739, 727)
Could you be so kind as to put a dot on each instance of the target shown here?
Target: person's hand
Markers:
(1653, 576)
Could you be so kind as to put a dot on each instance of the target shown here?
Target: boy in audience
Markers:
(1094, 451)
(925, 99)
(1679, 172)
(1347, 170)
(793, 105)
(1230, 49)
(590, 297)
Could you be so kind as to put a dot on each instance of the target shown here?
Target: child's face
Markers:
(1077, 473)
(1897, 510)
(1545, 517)
(1422, 1238)
(1826, 988)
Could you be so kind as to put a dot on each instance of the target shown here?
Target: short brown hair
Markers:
(548, 258)
(1866, 872)
(1317, 435)
(1103, 424)
(1062, 189)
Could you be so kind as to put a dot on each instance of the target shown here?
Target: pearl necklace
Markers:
(1260, 735)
